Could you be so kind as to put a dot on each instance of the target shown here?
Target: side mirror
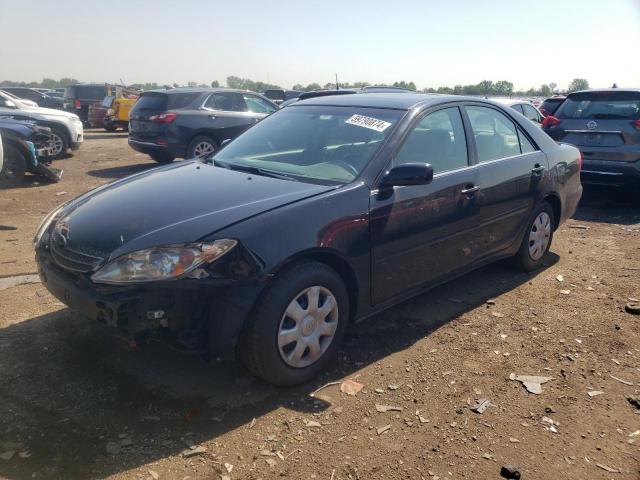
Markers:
(408, 174)
(224, 142)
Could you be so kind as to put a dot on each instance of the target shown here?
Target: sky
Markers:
(432, 43)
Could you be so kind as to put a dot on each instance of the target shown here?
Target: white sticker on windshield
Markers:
(368, 122)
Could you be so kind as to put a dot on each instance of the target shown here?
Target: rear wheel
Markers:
(537, 238)
(297, 326)
(161, 157)
(201, 146)
(58, 144)
(13, 168)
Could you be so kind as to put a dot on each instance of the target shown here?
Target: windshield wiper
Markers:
(255, 170)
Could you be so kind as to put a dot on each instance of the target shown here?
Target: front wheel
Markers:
(537, 238)
(13, 168)
(58, 144)
(297, 326)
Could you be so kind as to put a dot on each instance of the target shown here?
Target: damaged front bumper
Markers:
(198, 315)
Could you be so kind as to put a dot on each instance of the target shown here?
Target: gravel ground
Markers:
(78, 402)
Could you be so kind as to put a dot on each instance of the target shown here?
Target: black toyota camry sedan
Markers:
(323, 213)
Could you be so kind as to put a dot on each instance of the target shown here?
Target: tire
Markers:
(60, 144)
(111, 128)
(201, 146)
(278, 363)
(161, 157)
(537, 240)
(14, 167)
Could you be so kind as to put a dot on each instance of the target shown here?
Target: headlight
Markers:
(161, 263)
(46, 222)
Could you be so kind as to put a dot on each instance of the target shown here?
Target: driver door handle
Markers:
(470, 189)
(538, 169)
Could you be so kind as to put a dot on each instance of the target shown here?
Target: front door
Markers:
(422, 233)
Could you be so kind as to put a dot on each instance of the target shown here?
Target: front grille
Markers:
(71, 259)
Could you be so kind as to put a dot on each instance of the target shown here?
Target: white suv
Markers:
(66, 128)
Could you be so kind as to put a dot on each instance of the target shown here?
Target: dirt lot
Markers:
(77, 402)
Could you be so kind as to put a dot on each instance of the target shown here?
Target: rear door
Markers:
(510, 170)
(423, 233)
(227, 114)
(602, 124)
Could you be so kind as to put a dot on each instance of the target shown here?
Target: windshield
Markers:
(329, 145)
(606, 105)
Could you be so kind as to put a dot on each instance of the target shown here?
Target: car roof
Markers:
(508, 101)
(172, 91)
(607, 90)
(398, 101)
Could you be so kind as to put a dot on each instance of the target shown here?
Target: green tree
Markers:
(215, 84)
(407, 85)
(545, 90)
(578, 84)
(503, 87)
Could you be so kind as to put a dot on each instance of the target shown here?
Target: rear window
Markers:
(604, 105)
(275, 94)
(86, 92)
(162, 101)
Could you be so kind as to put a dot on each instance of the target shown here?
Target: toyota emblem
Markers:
(591, 125)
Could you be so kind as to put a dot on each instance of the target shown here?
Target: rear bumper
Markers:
(150, 147)
(195, 314)
(610, 172)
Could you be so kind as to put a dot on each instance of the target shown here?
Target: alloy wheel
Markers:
(539, 236)
(202, 149)
(56, 144)
(308, 326)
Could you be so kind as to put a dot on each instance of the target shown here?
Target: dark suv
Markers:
(190, 123)
(77, 98)
(605, 126)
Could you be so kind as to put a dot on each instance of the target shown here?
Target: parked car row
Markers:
(67, 132)
(323, 213)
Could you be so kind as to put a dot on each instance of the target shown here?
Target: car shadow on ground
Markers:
(122, 171)
(609, 205)
(71, 387)
(105, 135)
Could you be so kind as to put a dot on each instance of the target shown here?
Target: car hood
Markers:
(179, 203)
(48, 112)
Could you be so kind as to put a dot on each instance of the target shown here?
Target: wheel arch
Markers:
(59, 126)
(335, 261)
(553, 199)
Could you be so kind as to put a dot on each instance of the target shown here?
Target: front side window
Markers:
(257, 105)
(438, 140)
(225, 101)
(317, 144)
(495, 134)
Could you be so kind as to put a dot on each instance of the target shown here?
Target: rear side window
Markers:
(495, 134)
(181, 100)
(604, 105)
(225, 101)
(517, 107)
(551, 105)
(439, 140)
(90, 92)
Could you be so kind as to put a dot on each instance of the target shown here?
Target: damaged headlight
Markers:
(46, 222)
(161, 263)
